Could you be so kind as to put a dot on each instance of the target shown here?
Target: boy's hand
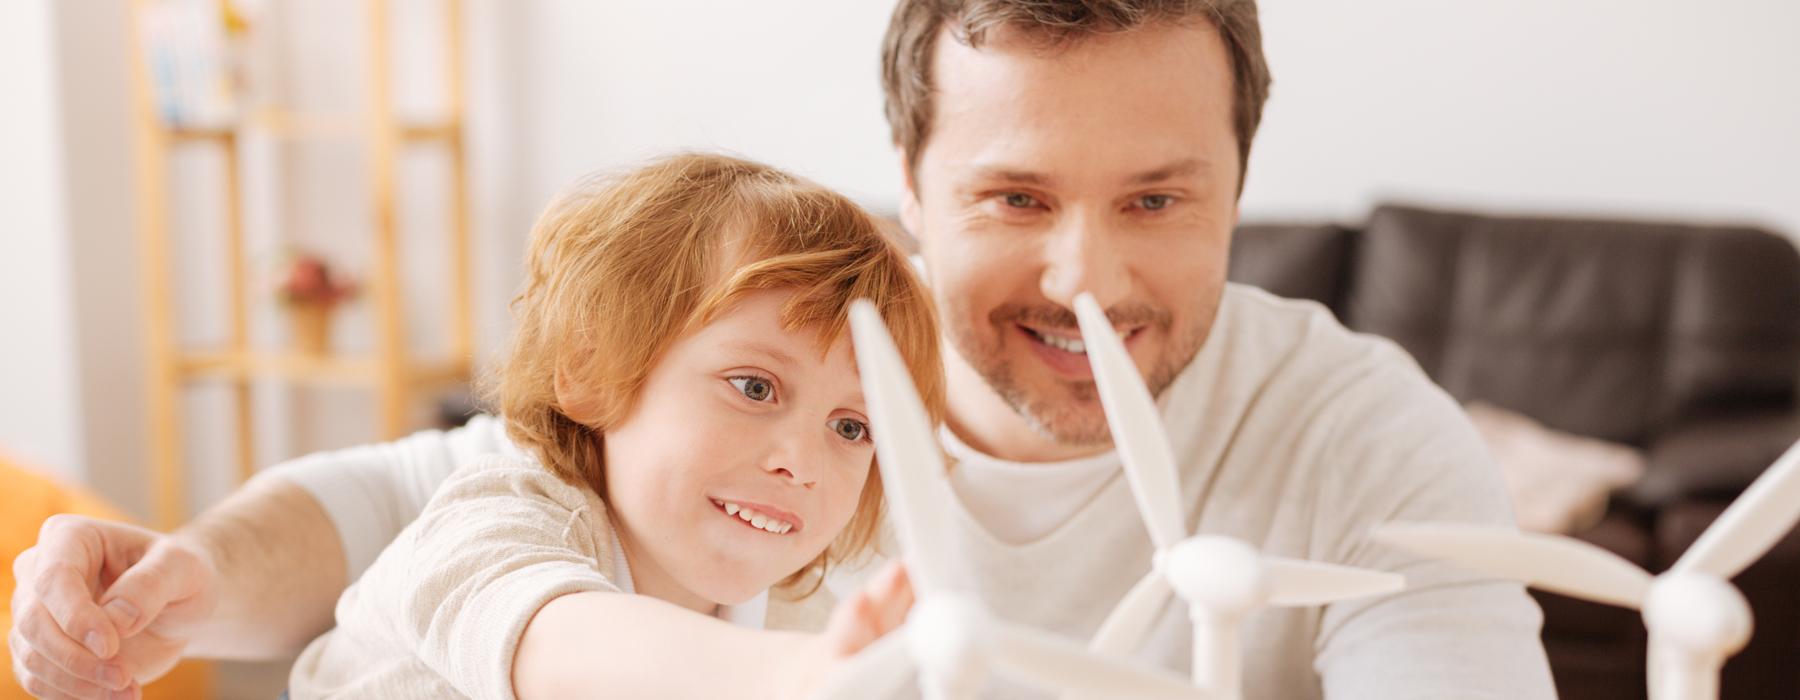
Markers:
(879, 608)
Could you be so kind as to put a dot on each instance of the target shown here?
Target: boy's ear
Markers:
(583, 407)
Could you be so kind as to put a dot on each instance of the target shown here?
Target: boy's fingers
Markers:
(897, 601)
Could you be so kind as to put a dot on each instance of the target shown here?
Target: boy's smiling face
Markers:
(739, 414)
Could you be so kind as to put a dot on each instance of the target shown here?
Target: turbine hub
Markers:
(1697, 612)
(1219, 574)
(946, 634)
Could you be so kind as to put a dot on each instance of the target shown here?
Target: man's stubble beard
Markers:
(1071, 415)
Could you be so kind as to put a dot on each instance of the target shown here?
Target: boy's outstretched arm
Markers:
(584, 644)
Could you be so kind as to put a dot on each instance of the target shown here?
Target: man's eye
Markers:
(754, 388)
(850, 429)
(1153, 202)
(1020, 200)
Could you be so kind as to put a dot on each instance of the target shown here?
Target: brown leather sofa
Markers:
(1680, 340)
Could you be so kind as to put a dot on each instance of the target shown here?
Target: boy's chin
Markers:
(735, 580)
(737, 590)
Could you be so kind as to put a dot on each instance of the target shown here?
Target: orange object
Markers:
(26, 500)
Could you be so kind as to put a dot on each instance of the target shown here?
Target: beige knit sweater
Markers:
(440, 612)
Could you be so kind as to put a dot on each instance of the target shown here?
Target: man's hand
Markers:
(102, 607)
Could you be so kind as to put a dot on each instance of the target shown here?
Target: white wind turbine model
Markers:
(1696, 619)
(949, 637)
(1222, 579)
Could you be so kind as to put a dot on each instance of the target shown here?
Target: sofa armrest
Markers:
(1714, 457)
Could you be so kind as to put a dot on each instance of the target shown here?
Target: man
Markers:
(1047, 148)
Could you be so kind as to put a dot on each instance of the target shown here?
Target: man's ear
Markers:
(911, 218)
(582, 406)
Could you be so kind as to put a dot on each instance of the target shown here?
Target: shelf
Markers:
(283, 124)
(328, 370)
(396, 382)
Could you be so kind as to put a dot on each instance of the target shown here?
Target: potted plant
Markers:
(310, 294)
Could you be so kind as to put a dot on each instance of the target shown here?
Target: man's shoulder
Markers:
(1263, 342)
(1287, 370)
(1348, 417)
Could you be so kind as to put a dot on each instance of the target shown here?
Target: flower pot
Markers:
(312, 328)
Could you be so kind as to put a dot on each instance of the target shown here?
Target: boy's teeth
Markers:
(758, 520)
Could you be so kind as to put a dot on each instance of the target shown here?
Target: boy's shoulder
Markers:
(517, 488)
(501, 473)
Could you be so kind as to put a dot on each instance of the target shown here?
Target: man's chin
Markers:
(1068, 416)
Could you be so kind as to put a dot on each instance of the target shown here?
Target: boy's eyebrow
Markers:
(764, 349)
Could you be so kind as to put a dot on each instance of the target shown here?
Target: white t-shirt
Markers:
(1293, 434)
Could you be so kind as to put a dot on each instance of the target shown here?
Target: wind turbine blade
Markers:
(1752, 524)
(912, 472)
(1557, 564)
(879, 670)
(1136, 425)
(1126, 626)
(1053, 663)
(1299, 583)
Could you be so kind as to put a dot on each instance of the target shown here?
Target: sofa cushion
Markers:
(1294, 261)
(1603, 328)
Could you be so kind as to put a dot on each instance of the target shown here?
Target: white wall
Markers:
(1638, 107)
(1609, 107)
(40, 401)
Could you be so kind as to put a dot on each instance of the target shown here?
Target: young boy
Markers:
(691, 430)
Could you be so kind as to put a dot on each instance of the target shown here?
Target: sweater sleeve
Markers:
(1410, 454)
(371, 492)
(498, 542)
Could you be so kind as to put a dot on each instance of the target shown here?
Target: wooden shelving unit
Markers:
(393, 372)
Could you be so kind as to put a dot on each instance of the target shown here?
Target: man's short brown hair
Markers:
(912, 34)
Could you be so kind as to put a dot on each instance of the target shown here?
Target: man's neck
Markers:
(984, 421)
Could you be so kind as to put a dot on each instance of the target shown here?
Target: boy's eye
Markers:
(850, 429)
(754, 388)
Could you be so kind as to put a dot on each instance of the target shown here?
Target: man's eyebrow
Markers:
(991, 173)
(766, 350)
(1180, 168)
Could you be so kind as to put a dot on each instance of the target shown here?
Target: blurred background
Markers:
(310, 131)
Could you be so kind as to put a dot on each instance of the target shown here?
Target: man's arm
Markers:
(256, 576)
(279, 566)
(103, 606)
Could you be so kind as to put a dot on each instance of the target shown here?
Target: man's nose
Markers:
(1081, 257)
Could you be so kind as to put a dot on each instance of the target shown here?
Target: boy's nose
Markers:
(801, 477)
(792, 477)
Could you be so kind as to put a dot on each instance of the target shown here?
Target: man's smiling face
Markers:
(1107, 165)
